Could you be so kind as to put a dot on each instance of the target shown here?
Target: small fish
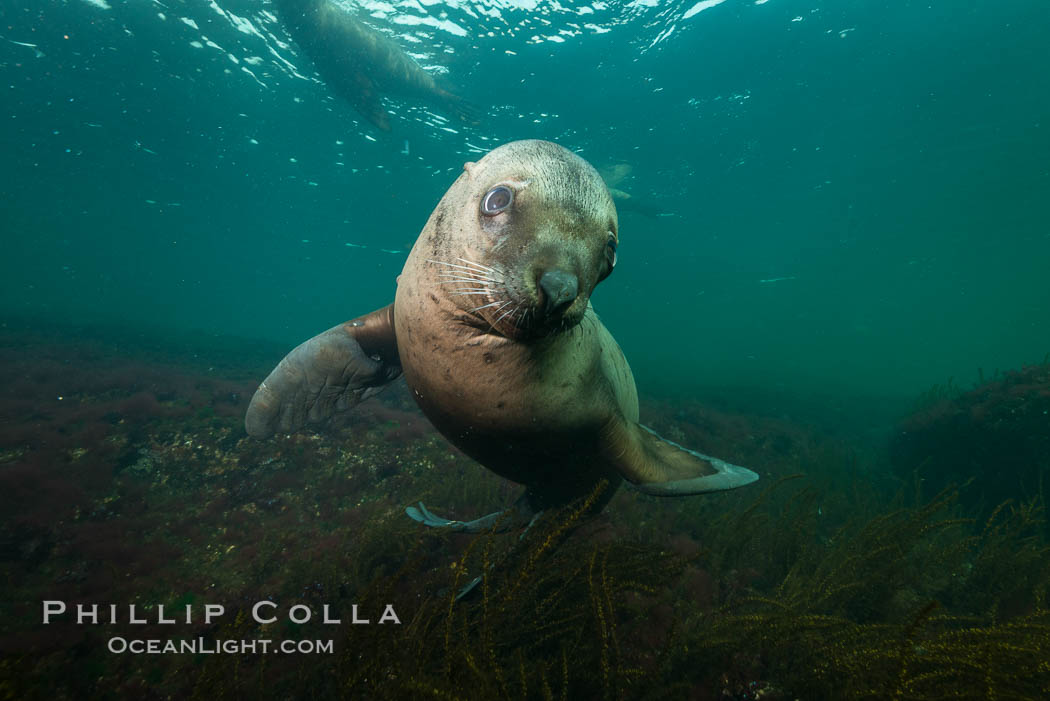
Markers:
(778, 279)
(38, 52)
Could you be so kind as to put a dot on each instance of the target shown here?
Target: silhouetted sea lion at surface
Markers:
(493, 328)
(360, 64)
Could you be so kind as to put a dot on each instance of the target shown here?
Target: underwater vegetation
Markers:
(996, 434)
(139, 486)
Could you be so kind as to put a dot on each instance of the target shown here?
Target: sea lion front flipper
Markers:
(655, 465)
(327, 374)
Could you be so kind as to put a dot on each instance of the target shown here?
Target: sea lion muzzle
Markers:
(559, 289)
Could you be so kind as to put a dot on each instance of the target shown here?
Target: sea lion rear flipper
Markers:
(365, 98)
(327, 374)
(655, 465)
(517, 516)
(462, 109)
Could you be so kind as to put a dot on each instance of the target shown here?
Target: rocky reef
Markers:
(995, 437)
(126, 479)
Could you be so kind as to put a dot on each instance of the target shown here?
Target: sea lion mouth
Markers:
(491, 302)
(532, 319)
(526, 326)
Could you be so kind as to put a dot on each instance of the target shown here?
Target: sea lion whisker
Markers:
(482, 272)
(509, 311)
(486, 272)
(473, 271)
(479, 265)
(450, 265)
(461, 276)
(490, 304)
(469, 292)
(478, 281)
(501, 305)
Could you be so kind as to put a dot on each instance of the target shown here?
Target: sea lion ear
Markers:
(328, 374)
(655, 465)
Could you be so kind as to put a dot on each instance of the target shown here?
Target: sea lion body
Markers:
(359, 63)
(530, 409)
(493, 328)
(533, 415)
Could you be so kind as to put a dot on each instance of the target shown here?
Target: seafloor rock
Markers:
(997, 435)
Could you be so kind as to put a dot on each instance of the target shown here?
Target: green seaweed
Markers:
(838, 624)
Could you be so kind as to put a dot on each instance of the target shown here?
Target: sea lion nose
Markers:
(559, 290)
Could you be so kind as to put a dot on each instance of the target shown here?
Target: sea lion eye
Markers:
(496, 200)
(610, 251)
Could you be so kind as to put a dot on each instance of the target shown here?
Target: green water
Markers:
(859, 191)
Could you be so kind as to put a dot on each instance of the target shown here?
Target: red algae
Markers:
(700, 587)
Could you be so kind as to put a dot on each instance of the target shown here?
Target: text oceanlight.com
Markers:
(200, 646)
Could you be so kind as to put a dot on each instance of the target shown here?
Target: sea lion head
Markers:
(522, 238)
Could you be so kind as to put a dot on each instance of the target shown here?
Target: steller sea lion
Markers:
(493, 328)
(360, 64)
(614, 175)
